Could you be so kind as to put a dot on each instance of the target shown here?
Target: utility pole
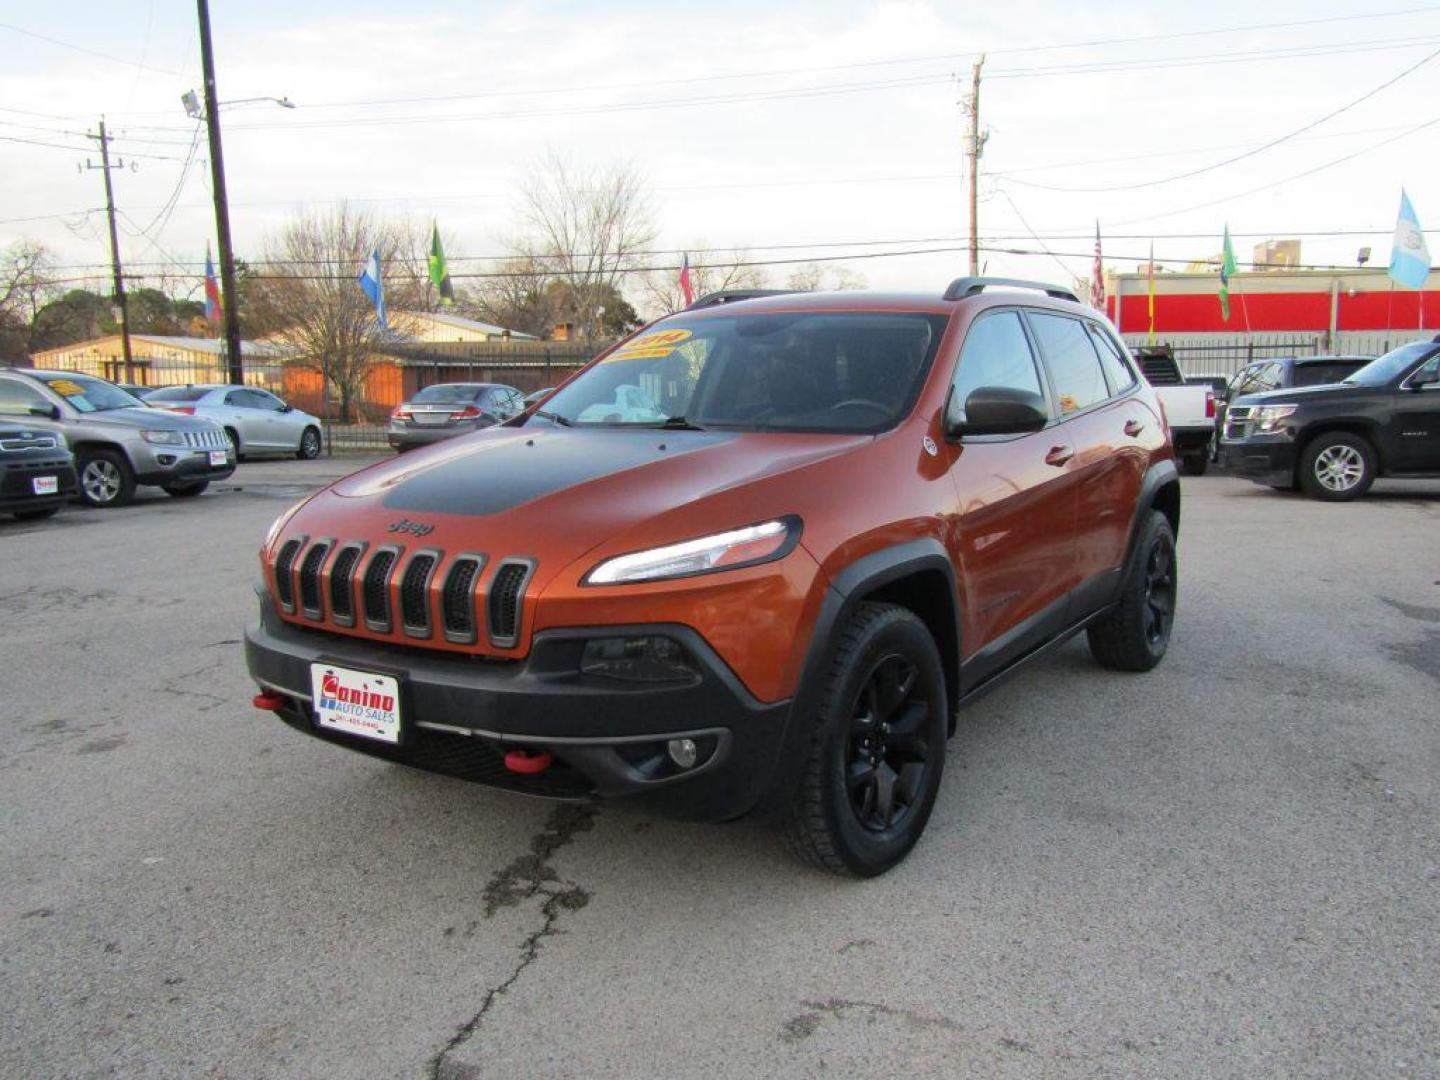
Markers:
(123, 315)
(229, 301)
(974, 144)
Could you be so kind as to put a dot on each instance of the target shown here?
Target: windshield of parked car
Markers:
(179, 393)
(790, 371)
(88, 395)
(449, 392)
(1390, 366)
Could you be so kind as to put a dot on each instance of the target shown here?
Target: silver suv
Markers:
(119, 442)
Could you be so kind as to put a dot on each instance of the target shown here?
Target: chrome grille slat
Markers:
(310, 595)
(342, 584)
(44, 442)
(415, 593)
(457, 602)
(377, 588)
(284, 572)
(505, 604)
(207, 440)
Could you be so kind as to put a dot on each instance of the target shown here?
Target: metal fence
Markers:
(1228, 357)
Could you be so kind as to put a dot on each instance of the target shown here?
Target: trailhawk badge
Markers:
(356, 702)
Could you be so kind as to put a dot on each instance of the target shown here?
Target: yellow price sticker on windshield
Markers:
(652, 346)
(67, 388)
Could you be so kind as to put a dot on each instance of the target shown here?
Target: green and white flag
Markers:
(1227, 267)
(439, 272)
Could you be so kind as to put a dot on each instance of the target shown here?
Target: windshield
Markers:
(822, 372)
(90, 395)
(449, 392)
(179, 393)
(1390, 366)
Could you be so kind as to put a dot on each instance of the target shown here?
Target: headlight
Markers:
(1268, 417)
(164, 438)
(721, 551)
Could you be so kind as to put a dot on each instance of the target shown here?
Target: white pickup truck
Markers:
(1189, 410)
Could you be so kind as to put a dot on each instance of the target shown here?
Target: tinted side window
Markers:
(1074, 367)
(1117, 372)
(16, 397)
(996, 353)
(1321, 374)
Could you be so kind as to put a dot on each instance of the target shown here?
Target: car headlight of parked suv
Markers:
(730, 550)
(1268, 417)
(164, 438)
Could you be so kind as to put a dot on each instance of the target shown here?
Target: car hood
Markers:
(146, 419)
(554, 494)
(1302, 394)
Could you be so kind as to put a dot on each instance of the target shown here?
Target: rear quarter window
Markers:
(1071, 359)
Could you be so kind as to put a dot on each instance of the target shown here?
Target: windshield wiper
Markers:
(679, 423)
(556, 417)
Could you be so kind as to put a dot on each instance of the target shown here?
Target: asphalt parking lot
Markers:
(1229, 867)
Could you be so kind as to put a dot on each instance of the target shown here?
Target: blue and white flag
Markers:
(1410, 258)
(373, 286)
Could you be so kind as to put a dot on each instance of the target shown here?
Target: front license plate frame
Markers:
(45, 485)
(219, 459)
(360, 702)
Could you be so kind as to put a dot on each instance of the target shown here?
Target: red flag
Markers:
(1097, 278)
(212, 291)
(686, 289)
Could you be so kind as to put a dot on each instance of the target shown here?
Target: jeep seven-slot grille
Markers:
(505, 602)
(284, 565)
(457, 604)
(415, 594)
(355, 587)
(310, 579)
(342, 586)
(377, 588)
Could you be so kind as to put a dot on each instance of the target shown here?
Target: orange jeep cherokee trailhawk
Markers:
(755, 556)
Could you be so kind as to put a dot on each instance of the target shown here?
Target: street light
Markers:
(196, 111)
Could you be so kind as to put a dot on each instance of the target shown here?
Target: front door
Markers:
(1415, 429)
(1014, 546)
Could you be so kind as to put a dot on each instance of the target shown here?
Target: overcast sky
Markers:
(779, 128)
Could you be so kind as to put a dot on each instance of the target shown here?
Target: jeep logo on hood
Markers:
(414, 528)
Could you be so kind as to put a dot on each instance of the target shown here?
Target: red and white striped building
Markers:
(1349, 311)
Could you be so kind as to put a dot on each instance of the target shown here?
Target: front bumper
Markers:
(17, 484)
(1265, 459)
(159, 463)
(461, 714)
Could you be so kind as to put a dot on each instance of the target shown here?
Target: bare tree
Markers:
(660, 292)
(814, 277)
(305, 292)
(27, 281)
(588, 228)
(517, 298)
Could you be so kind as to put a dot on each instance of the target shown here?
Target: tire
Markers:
(1134, 635)
(309, 445)
(1196, 462)
(1337, 467)
(105, 478)
(847, 815)
(185, 491)
(37, 514)
(234, 437)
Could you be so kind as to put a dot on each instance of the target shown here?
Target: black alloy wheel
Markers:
(1135, 634)
(1159, 592)
(887, 755)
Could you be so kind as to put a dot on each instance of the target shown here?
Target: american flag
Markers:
(686, 289)
(1097, 278)
(212, 290)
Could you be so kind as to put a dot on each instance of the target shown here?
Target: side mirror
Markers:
(50, 412)
(287, 408)
(996, 410)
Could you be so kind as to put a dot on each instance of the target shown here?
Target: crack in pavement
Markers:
(527, 876)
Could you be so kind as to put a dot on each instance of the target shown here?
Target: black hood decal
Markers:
(520, 470)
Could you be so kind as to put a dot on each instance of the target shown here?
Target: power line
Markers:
(1249, 153)
(88, 51)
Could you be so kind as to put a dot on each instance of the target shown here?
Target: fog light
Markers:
(683, 752)
(166, 459)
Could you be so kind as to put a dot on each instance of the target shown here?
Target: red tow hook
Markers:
(528, 761)
(268, 699)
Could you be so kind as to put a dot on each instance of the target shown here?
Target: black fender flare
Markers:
(847, 590)
(1162, 476)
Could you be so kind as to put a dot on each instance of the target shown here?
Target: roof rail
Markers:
(734, 296)
(969, 286)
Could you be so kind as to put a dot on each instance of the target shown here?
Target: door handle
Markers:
(1059, 455)
(1133, 427)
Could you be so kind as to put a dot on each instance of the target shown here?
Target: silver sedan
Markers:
(256, 421)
